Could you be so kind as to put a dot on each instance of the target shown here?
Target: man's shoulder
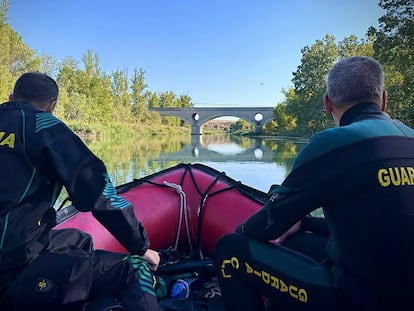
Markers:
(328, 140)
(45, 120)
(332, 139)
(16, 106)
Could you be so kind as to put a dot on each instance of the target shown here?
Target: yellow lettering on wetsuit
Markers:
(7, 140)
(396, 176)
(277, 283)
(233, 262)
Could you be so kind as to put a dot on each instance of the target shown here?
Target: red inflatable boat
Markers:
(185, 209)
(188, 206)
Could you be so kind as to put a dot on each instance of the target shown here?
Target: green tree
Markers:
(88, 91)
(49, 65)
(153, 99)
(121, 96)
(168, 99)
(304, 101)
(16, 57)
(393, 47)
(309, 85)
(67, 75)
(96, 85)
(72, 103)
(352, 46)
(139, 100)
(241, 126)
(184, 101)
(4, 8)
(284, 122)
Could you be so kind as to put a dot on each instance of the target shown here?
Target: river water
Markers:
(257, 162)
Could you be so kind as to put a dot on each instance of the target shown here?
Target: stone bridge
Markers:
(197, 116)
(197, 152)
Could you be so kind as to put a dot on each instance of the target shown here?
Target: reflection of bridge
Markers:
(196, 152)
(197, 116)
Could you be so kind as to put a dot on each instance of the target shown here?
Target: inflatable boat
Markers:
(185, 209)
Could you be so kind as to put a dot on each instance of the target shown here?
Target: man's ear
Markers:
(384, 100)
(328, 105)
(50, 106)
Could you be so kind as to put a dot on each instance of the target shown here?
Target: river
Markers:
(257, 162)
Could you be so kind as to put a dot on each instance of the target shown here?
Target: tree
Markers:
(393, 47)
(121, 96)
(88, 91)
(153, 99)
(4, 8)
(241, 126)
(72, 104)
(351, 46)
(139, 100)
(15, 57)
(185, 101)
(309, 85)
(168, 99)
(283, 121)
(304, 101)
(49, 65)
(96, 86)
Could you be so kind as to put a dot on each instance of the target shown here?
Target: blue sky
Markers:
(218, 52)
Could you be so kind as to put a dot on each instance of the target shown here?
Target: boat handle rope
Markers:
(204, 196)
(183, 214)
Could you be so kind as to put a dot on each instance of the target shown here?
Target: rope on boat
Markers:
(183, 214)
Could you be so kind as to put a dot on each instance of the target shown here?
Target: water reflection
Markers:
(258, 162)
(219, 148)
(135, 157)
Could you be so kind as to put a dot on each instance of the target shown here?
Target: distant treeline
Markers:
(90, 96)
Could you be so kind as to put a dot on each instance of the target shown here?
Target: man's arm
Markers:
(61, 156)
(117, 215)
(290, 202)
(283, 210)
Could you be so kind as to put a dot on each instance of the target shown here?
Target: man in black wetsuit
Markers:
(45, 269)
(361, 174)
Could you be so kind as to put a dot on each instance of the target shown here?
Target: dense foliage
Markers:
(394, 48)
(90, 96)
(301, 112)
(87, 95)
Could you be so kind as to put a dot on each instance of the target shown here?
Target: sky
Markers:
(226, 53)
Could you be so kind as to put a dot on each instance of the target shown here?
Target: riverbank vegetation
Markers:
(93, 102)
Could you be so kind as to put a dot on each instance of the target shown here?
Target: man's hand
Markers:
(153, 259)
(295, 228)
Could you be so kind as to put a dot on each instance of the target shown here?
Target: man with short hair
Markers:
(361, 174)
(47, 269)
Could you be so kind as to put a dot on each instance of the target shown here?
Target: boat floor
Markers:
(200, 274)
(204, 291)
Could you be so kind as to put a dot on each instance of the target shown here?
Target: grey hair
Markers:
(354, 79)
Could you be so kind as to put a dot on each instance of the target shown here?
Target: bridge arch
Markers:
(197, 116)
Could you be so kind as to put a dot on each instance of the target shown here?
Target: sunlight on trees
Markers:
(90, 96)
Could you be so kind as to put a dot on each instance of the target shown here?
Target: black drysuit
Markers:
(362, 176)
(43, 267)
